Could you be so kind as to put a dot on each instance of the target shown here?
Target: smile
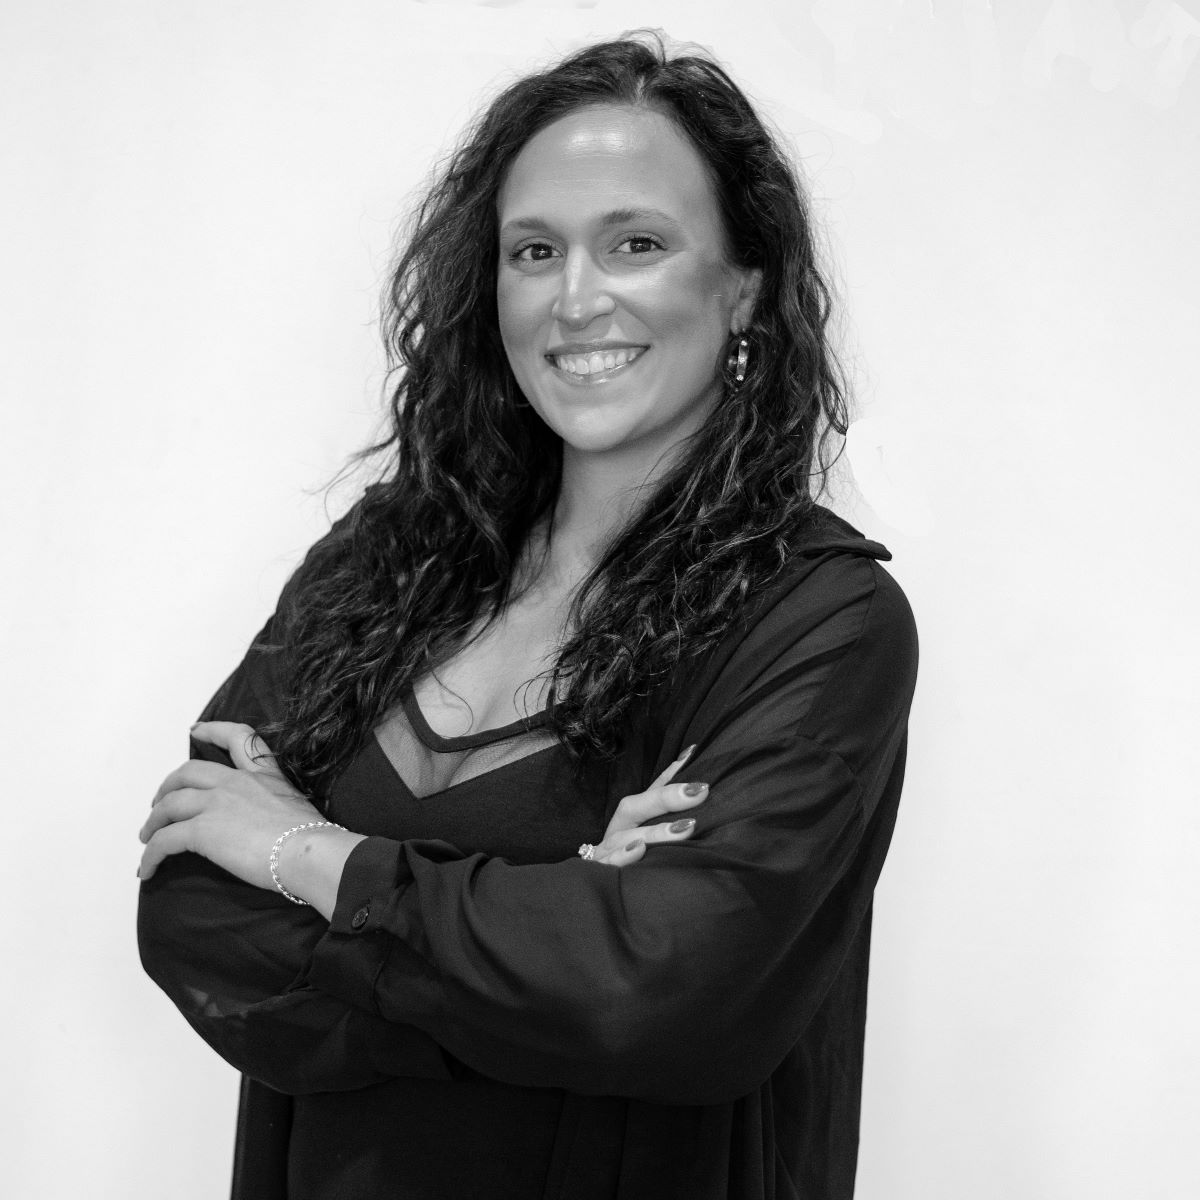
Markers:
(597, 365)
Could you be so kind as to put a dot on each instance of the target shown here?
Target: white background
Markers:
(198, 204)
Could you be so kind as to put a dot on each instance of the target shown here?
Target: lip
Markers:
(585, 348)
(593, 348)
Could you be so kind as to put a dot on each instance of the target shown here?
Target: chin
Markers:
(592, 440)
(623, 439)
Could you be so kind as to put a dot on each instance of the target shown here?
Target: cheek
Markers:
(517, 312)
(690, 300)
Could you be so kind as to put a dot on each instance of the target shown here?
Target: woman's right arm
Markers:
(234, 958)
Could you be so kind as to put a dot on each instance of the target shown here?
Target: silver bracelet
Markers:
(283, 837)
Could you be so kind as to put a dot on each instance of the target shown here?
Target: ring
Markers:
(587, 852)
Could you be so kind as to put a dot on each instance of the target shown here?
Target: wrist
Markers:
(309, 863)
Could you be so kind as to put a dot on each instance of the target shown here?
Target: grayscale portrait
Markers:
(478, 473)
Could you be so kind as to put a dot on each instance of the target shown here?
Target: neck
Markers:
(597, 497)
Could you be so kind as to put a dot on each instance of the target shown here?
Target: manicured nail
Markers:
(634, 845)
(687, 753)
(681, 826)
(694, 789)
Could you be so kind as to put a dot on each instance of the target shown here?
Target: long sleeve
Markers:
(684, 979)
(688, 977)
(233, 957)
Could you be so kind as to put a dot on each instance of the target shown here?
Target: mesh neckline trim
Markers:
(467, 741)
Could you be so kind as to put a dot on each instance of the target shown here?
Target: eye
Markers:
(531, 252)
(641, 243)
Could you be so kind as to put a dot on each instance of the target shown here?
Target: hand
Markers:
(230, 815)
(619, 848)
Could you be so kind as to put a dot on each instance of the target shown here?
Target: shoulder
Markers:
(854, 590)
(252, 694)
(326, 560)
(835, 622)
(833, 585)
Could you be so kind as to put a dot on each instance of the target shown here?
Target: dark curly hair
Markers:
(434, 547)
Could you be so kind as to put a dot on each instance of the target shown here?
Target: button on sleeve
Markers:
(369, 878)
(365, 923)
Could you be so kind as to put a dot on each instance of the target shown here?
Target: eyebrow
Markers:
(616, 216)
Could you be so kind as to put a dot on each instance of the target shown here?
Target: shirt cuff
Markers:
(348, 959)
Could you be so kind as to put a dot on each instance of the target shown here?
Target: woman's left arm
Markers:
(233, 813)
(687, 977)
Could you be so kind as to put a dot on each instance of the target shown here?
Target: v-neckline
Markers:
(376, 747)
(467, 741)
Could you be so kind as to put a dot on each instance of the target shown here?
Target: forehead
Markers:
(609, 157)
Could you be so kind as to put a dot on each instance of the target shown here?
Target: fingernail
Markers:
(681, 826)
(634, 845)
(687, 753)
(694, 789)
(193, 726)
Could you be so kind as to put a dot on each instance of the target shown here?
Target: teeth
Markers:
(592, 364)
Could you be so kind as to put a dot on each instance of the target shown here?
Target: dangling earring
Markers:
(738, 361)
(743, 357)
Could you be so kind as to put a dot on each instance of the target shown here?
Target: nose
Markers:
(582, 292)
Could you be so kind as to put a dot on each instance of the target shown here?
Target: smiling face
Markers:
(616, 298)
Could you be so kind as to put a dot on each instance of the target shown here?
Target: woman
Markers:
(594, 556)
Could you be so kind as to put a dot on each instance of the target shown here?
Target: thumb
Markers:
(246, 750)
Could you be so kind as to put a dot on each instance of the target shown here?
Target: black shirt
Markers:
(506, 792)
(691, 1026)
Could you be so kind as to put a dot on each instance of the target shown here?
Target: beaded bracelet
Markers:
(273, 861)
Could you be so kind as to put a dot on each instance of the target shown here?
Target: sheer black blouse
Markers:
(488, 1015)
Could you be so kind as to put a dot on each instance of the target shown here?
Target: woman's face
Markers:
(615, 295)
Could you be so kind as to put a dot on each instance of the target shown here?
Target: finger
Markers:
(646, 806)
(623, 856)
(667, 831)
(195, 773)
(245, 748)
(180, 805)
(673, 769)
(175, 839)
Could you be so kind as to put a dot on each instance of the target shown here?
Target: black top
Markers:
(470, 1138)
(487, 1015)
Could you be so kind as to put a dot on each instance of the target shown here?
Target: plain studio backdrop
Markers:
(199, 201)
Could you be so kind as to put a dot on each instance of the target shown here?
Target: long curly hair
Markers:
(432, 551)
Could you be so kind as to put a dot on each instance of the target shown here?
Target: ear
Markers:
(749, 283)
